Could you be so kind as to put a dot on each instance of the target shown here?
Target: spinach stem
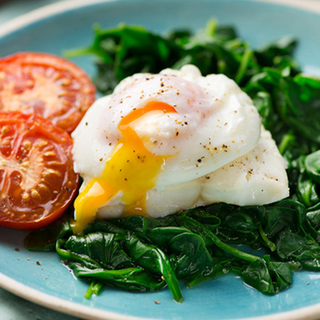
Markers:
(264, 237)
(286, 141)
(247, 55)
(236, 252)
(196, 225)
(96, 289)
(170, 277)
(89, 292)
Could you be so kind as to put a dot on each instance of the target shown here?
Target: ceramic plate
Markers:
(40, 277)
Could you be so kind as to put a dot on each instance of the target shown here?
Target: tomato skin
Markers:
(37, 181)
(47, 85)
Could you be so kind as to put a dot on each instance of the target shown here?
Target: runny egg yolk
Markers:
(130, 169)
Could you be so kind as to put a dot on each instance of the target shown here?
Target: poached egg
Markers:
(162, 143)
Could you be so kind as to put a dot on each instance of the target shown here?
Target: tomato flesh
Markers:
(37, 180)
(47, 85)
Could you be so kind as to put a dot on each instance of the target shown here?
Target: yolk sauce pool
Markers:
(131, 169)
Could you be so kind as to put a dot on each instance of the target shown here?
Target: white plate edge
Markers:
(59, 7)
(91, 313)
(58, 304)
(76, 309)
(308, 5)
(44, 12)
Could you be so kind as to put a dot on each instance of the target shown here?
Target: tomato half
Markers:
(37, 181)
(47, 85)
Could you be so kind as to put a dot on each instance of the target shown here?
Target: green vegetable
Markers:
(266, 276)
(126, 50)
(262, 244)
(120, 259)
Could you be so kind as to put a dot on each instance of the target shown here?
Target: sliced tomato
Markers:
(47, 85)
(37, 180)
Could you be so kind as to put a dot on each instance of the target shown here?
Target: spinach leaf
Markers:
(312, 163)
(132, 279)
(154, 260)
(103, 248)
(266, 276)
(307, 190)
(193, 260)
(292, 246)
(67, 255)
(188, 250)
(232, 223)
(278, 54)
(118, 251)
(313, 219)
(125, 50)
(300, 105)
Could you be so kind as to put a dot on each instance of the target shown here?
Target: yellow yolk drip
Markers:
(130, 169)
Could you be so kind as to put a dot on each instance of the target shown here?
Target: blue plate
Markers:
(40, 277)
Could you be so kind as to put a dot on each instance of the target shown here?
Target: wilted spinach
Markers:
(126, 50)
(262, 244)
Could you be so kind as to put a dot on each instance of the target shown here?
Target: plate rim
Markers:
(76, 309)
(58, 304)
(62, 6)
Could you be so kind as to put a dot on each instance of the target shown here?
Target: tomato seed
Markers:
(65, 81)
(2, 76)
(35, 195)
(25, 164)
(44, 189)
(27, 144)
(5, 142)
(50, 153)
(53, 172)
(25, 196)
(42, 143)
(4, 130)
